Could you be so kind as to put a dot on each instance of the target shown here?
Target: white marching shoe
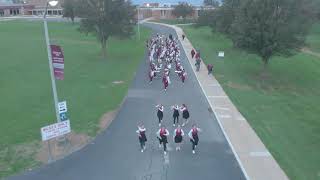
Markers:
(193, 152)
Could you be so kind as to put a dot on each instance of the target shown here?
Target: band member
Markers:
(183, 76)
(194, 138)
(185, 114)
(160, 113)
(142, 137)
(165, 82)
(175, 115)
(151, 75)
(178, 136)
(162, 136)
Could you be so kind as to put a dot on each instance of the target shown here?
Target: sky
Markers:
(194, 2)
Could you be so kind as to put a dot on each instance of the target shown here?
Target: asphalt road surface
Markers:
(115, 154)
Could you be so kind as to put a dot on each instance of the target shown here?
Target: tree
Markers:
(225, 16)
(183, 9)
(213, 3)
(69, 9)
(268, 27)
(206, 18)
(105, 18)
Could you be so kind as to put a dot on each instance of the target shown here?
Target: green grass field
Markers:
(284, 110)
(25, 87)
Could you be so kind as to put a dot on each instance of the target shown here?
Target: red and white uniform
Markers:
(183, 76)
(165, 82)
(151, 75)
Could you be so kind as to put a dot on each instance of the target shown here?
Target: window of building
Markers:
(1, 13)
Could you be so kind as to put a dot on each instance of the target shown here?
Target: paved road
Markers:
(115, 153)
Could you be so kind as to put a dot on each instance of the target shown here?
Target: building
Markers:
(29, 7)
(40, 7)
(8, 8)
(164, 11)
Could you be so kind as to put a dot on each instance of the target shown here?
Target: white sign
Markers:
(62, 107)
(221, 54)
(55, 130)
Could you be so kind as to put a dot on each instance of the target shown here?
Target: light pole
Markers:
(138, 8)
(53, 82)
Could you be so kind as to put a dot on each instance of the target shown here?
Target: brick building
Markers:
(29, 7)
(164, 11)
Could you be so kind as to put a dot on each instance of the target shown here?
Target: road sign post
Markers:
(62, 106)
(54, 130)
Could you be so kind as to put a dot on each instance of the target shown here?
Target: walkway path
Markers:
(115, 154)
(254, 158)
(308, 51)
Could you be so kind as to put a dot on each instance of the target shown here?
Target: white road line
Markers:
(166, 159)
(218, 120)
(260, 154)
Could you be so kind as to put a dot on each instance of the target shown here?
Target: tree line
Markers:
(264, 27)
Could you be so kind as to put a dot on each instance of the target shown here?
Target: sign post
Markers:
(62, 106)
(53, 131)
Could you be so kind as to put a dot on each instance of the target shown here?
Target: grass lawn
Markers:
(283, 110)
(25, 87)
(174, 21)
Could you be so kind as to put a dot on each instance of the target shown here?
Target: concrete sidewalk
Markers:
(253, 157)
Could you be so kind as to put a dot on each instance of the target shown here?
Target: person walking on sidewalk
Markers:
(176, 114)
(183, 36)
(193, 52)
(160, 113)
(142, 137)
(178, 137)
(210, 68)
(162, 135)
(185, 114)
(198, 62)
(194, 138)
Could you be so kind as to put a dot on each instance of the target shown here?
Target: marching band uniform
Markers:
(183, 76)
(185, 114)
(162, 136)
(178, 136)
(165, 82)
(142, 137)
(194, 138)
(151, 75)
(175, 114)
(160, 113)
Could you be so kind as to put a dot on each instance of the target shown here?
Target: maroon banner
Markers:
(57, 62)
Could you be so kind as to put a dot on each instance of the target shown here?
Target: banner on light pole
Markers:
(57, 62)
